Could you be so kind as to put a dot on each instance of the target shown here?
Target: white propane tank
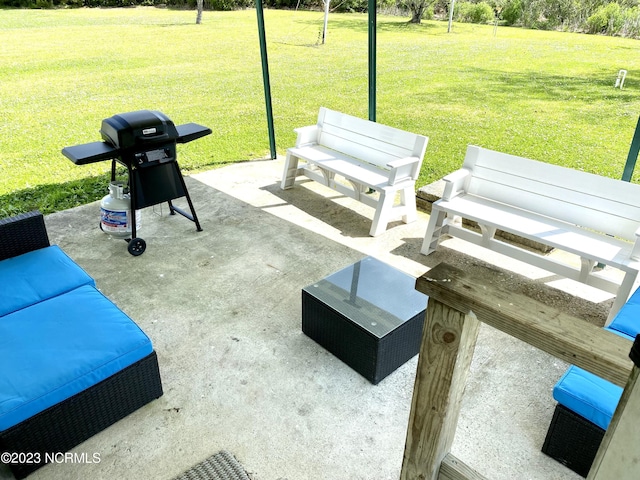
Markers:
(115, 212)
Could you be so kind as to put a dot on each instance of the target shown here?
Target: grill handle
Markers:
(153, 138)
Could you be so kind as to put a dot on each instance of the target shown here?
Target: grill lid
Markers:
(138, 129)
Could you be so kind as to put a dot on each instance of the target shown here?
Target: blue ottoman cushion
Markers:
(36, 276)
(588, 395)
(59, 347)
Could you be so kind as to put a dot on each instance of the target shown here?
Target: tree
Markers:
(417, 8)
(200, 6)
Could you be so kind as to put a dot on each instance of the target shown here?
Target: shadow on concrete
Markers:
(223, 310)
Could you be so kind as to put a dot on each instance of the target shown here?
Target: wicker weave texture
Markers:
(572, 440)
(69, 423)
(373, 358)
(221, 466)
(21, 234)
(399, 346)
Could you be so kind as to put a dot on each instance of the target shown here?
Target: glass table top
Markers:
(372, 294)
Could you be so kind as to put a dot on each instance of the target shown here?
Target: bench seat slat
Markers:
(377, 131)
(594, 209)
(366, 146)
(343, 165)
(548, 173)
(542, 229)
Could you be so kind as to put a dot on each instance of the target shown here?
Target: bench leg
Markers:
(291, 171)
(487, 235)
(358, 189)
(435, 229)
(383, 213)
(329, 178)
(623, 294)
(408, 199)
(586, 267)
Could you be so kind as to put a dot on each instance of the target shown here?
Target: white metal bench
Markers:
(593, 217)
(368, 155)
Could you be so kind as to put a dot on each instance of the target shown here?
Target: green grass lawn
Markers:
(544, 95)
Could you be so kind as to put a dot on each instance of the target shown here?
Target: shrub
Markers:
(474, 12)
(607, 19)
(428, 13)
(631, 23)
(228, 5)
(351, 6)
(441, 7)
(512, 11)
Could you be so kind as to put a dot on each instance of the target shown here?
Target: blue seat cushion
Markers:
(59, 347)
(36, 276)
(588, 395)
(627, 319)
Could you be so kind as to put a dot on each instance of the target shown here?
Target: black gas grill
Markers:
(145, 143)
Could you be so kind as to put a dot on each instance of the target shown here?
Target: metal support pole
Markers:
(326, 21)
(265, 78)
(632, 157)
(451, 15)
(372, 60)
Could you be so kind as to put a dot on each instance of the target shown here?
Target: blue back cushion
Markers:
(60, 347)
(627, 320)
(38, 275)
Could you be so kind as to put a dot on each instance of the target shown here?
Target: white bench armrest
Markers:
(403, 169)
(454, 183)
(401, 162)
(635, 252)
(306, 135)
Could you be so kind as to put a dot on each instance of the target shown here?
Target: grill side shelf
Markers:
(90, 153)
(191, 131)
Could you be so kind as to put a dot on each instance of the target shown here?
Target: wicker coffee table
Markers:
(368, 314)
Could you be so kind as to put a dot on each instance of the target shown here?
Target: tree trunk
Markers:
(200, 6)
(416, 13)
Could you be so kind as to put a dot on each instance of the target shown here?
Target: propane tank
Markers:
(115, 212)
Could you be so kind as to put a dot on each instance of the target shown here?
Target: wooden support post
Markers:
(458, 302)
(454, 469)
(448, 342)
(619, 453)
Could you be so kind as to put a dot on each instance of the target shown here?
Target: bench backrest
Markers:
(591, 201)
(372, 142)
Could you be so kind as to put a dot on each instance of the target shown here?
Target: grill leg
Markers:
(134, 205)
(173, 209)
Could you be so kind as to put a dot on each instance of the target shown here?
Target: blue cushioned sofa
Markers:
(71, 362)
(586, 402)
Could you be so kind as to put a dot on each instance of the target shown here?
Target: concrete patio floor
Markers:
(223, 309)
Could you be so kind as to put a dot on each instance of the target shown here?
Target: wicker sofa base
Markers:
(67, 424)
(572, 440)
